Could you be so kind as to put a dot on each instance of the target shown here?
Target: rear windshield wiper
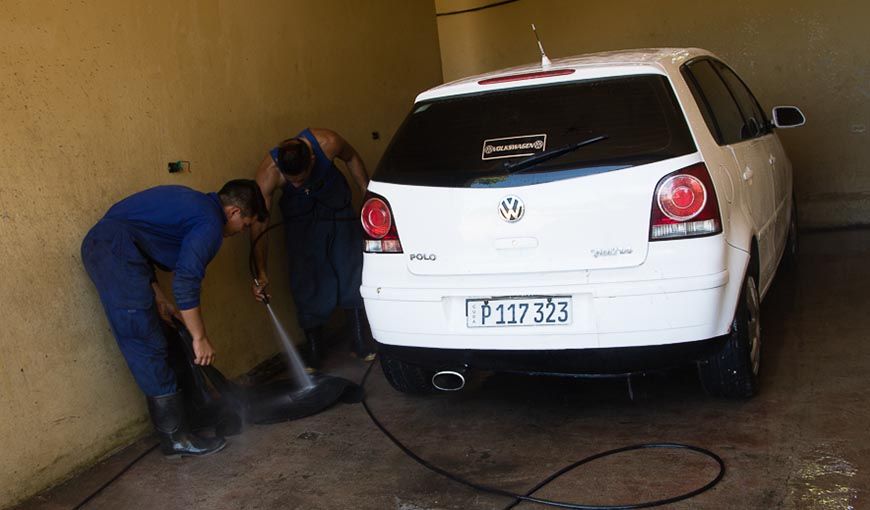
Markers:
(531, 161)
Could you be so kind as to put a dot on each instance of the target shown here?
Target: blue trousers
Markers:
(122, 276)
(324, 249)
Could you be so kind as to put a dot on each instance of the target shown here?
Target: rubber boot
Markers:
(362, 343)
(167, 414)
(313, 351)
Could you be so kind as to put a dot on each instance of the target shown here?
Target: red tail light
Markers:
(685, 205)
(379, 229)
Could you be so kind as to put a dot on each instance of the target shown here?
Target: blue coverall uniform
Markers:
(172, 227)
(324, 241)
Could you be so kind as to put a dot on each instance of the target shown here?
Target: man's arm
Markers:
(269, 179)
(202, 347)
(334, 146)
(198, 248)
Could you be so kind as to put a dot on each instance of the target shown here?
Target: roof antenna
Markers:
(545, 62)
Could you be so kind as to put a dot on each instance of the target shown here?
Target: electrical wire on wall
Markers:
(473, 9)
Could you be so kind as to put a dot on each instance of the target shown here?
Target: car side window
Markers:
(716, 102)
(756, 122)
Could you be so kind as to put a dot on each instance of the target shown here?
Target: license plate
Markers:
(519, 311)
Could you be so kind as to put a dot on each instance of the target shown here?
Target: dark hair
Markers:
(246, 195)
(293, 156)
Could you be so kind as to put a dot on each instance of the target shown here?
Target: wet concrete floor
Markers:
(802, 443)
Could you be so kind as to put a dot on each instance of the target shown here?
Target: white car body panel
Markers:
(462, 229)
(639, 293)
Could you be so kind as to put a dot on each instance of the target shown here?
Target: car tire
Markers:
(733, 372)
(407, 378)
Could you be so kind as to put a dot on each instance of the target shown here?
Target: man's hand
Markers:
(167, 311)
(164, 307)
(259, 288)
(203, 351)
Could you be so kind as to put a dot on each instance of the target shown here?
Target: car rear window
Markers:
(467, 141)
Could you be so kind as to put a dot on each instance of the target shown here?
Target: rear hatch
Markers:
(466, 198)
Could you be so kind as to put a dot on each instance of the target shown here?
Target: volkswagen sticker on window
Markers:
(513, 146)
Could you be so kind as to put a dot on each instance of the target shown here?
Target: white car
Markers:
(607, 213)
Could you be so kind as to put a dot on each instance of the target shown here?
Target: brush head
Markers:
(284, 400)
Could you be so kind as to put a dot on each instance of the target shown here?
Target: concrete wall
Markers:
(812, 54)
(96, 98)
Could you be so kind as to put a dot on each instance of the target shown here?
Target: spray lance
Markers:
(252, 260)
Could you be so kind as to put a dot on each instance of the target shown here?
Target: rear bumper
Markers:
(628, 314)
(635, 307)
(569, 361)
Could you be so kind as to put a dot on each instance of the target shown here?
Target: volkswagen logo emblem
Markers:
(511, 209)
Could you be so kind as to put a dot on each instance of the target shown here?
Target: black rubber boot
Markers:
(313, 351)
(362, 343)
(167, 414)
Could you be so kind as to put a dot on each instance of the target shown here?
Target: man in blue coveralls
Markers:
(323, 233)
(175, 229)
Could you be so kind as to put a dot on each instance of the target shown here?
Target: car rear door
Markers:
(759, 129)
(742, 137)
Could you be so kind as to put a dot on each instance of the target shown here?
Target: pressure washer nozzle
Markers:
(265, 297)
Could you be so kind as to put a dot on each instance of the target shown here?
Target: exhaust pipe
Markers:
(448, 380)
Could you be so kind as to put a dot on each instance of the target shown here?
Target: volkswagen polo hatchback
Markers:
(607, 213)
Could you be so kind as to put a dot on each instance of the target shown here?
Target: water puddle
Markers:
(822, 481)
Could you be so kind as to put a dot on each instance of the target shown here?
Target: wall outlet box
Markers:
(178, 166)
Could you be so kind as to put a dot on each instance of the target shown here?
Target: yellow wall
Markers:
(96, 98)
(812, 54)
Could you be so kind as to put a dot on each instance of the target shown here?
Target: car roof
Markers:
(591, 65)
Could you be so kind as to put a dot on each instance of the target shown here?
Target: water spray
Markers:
(297, 369)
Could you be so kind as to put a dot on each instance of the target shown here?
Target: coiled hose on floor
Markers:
(527, 497)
